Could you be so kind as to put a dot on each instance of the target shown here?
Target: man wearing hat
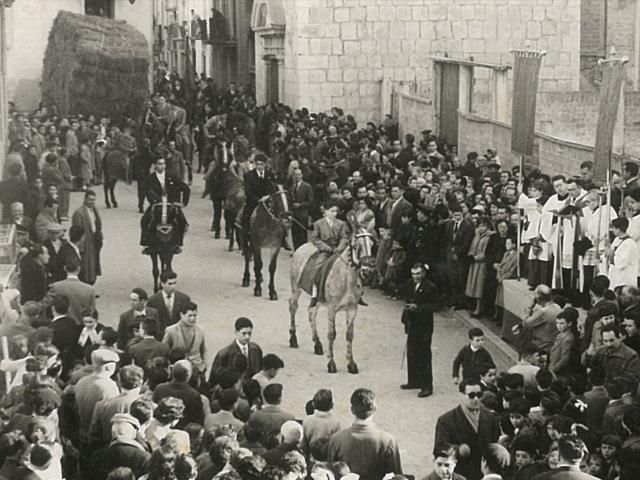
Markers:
(131, 378)
(94, 388)
(56, 245)
(123, 451)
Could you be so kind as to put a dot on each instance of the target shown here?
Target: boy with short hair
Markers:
(471, 356)
(444, 464)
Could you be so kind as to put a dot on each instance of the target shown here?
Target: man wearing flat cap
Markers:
(56, 245)
(123, 451)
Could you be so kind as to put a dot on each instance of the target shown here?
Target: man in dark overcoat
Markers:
(470, 426)
(422, 299)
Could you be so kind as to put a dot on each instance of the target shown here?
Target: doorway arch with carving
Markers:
(268, 23)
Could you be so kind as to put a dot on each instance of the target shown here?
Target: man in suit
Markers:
(179, 387)
(369, 451)
(423, 299)
(571, 450)
(241, 355)
(56, 245)
(88, 217)
(271, 416)
(148, 346)
(155, 186)
(139, 310)
(48, 214)
(302, 197)
(259, 184)
(168, 301)
(81, 295)
(175, 162)
(631, 178)
(459, 233)
(131, 378)
(400, 206)
(468, 424)
(18, 217)
(65, 333)
(330, 237)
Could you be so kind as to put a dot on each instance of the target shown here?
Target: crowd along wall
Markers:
(337, 51)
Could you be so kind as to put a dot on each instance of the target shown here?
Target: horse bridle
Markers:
(352, 246)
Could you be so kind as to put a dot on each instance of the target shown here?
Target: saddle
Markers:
(315, 272)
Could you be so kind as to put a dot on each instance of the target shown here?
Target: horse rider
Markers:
(155, 186)
(331, 237)
(259, 185)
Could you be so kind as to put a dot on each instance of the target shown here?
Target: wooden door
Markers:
(449, 102)
(273, 81)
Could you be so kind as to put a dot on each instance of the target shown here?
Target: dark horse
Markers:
(114, 167)
(268, 225)
(162, 231)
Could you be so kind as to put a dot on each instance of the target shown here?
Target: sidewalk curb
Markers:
(502, 350)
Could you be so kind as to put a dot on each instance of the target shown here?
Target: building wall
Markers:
(341, 49)
(28, 26)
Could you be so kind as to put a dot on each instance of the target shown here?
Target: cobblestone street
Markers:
(211, 276)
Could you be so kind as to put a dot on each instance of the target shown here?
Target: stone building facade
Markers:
(324, 53)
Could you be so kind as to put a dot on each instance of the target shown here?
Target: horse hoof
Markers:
(293, 340)
(245, 282)
(317, 349)
(257, 292)
(273, 296)
(331, 367)
(352, 368)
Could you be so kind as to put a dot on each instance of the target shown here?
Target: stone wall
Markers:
(339, 50)
(550, 154)
(415, 114)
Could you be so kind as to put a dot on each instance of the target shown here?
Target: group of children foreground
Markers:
(536, 409)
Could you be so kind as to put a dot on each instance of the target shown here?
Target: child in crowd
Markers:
(444, 464)
(471, 357)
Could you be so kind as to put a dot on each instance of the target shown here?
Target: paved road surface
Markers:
(211, 275)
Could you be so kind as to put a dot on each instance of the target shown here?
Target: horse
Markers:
(115, 166)
(232, 185)
(163, 236)
(269, 223)
(343, 289)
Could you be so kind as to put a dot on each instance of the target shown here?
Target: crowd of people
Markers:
(140, 401)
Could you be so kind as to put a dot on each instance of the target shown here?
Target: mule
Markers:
(343, 289)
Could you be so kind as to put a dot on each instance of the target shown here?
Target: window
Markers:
(101, 8)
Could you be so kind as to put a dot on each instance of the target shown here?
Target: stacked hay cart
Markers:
(95, 65)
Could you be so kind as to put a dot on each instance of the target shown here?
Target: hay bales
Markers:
(95, 65)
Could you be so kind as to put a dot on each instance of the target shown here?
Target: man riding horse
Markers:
(331, 237)
(157, 185)
(259, 185)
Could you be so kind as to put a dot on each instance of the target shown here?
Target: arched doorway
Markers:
(268, 23)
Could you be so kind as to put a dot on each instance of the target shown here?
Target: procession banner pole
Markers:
(519, 229)
(526, 70)
(608, 217)
(4, 344)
